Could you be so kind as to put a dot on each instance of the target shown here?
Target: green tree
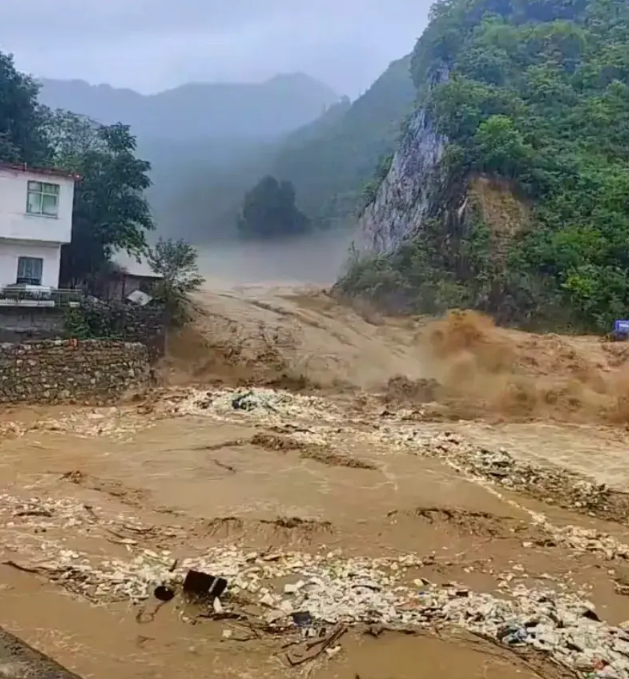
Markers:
(269, 211)
(22, 139)
(177, 263)
(501, 147)
(71, 136)
(110, 209)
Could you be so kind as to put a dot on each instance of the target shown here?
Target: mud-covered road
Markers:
(387, 499)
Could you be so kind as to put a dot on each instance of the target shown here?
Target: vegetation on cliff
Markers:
(537, 94)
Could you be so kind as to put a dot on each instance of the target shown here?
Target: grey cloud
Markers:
(153, 44)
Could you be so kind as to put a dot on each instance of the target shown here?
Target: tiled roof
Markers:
(46, 172)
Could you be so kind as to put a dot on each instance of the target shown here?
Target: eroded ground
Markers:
(448, 522)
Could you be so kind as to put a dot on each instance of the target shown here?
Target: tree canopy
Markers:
(22, 136)
(177, 263)
(110, 209)
(269, 211)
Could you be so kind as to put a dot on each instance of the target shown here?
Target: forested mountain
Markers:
(510, 189)
(328, 161)
(198, 110)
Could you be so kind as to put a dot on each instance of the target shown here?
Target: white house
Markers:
(35, 221)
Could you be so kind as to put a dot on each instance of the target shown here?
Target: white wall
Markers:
(16, 223)
(10, 251)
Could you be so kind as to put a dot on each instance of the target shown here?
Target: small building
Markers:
(129, 276)
(35, 221)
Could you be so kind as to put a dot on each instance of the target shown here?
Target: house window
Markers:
(43, 199)
(30, 270)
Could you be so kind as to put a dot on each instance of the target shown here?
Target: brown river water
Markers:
(92, 499)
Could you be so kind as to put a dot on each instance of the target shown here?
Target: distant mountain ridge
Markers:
(329, 161)
(332, 159)
(199, 110)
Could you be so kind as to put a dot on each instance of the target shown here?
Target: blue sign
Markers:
(622, 327)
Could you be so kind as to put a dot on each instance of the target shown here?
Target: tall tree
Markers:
(110, 209)
(269, 211)
(22, 139)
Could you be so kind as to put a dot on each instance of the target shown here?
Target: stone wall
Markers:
(71, 371)
(123, 322)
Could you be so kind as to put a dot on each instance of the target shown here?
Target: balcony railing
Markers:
(32, 296)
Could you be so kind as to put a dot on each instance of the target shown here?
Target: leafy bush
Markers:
(176, 262)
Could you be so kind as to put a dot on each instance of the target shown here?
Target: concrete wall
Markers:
(58, 371)
(26, 324)
(11, 250)
(16, 223)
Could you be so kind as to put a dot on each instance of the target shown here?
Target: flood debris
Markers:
(198, 586)
(164, 593)
(322, 595)
(313, 648)
(499, 469)
(548, 483)
(259, 402)
(327, 589)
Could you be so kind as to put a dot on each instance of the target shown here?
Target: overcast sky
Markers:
(151, 45)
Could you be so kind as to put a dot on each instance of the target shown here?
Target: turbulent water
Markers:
(359, 474)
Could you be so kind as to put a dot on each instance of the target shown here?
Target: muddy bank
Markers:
(18, 661)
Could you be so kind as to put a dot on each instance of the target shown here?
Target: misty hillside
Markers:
(209, 143)
(329, 161)
(197, 110)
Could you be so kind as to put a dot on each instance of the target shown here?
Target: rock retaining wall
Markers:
(71, 371)
(96, 319)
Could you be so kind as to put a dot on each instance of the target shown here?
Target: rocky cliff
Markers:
(403, 198)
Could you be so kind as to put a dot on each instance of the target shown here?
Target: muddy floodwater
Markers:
(386, 499)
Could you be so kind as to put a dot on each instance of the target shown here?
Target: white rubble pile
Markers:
(373, 591)
(260, 403)
(109, 580)
(41, 512)
(332, 589)
(502, 467)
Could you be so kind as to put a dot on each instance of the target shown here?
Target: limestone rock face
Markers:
(403, 198)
